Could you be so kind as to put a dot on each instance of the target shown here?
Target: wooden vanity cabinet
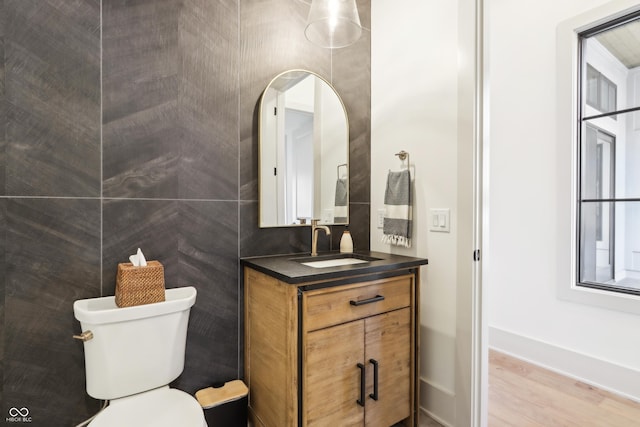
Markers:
(337, 353)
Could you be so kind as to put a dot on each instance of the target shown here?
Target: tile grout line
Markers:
(140, 199)
(101, 162)
(239, 270)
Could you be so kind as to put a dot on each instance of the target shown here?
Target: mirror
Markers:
(303, 152)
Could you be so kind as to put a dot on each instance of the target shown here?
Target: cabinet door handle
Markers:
(374, 395)
(362, 384)
(367, 301)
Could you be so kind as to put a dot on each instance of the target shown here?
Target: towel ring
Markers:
(402, 155)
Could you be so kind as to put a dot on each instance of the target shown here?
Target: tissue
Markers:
(138, 259)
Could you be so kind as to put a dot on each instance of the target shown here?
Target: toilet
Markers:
(132, 354)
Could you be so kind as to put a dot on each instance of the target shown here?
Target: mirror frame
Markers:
(348, 141)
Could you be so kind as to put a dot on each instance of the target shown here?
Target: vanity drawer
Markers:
(332, 306)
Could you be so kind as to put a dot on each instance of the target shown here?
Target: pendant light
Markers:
(333, 23)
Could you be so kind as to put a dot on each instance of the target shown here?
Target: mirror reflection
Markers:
(303, 152)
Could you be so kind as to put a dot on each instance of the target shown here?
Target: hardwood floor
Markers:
(426, 421)
(522, 394)
(525, 395)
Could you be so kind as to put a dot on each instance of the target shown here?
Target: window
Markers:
(601, 92)
(608, 193)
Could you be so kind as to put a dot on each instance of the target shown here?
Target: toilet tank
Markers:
(134, 349)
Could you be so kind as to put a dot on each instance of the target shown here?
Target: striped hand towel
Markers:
(398, 218)
(341, 210)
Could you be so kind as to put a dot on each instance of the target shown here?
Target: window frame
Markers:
(567, 133)
(583, 121)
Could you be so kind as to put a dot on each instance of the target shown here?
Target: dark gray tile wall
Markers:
(3, 286)
(140, 66)
(52, 76)
(142, 132)
(50, 211)
(52, 258)
(3, 116)
(3, 226)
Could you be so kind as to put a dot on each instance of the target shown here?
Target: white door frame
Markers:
(471, 326)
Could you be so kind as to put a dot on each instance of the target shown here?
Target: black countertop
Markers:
(289, 268)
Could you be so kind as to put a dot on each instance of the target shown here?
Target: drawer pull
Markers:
(362, 384)
(374, 395)
(367, 301)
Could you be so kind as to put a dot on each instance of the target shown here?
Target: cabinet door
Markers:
(388, 345)
(332, 377)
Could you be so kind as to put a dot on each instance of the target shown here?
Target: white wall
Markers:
(529, 207)
(414, 78)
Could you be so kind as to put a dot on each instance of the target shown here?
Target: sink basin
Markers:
(324, 261)
(334, 262)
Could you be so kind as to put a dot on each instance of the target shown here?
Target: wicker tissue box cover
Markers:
(139, 285)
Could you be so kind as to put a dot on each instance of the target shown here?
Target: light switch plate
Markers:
(381, 214)
(440, 220)
(327, 216)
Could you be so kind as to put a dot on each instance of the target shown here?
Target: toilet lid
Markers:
(163, 407)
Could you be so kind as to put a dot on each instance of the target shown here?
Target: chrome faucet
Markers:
(314, 235)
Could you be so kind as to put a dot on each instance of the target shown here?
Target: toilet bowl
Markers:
(132, 354)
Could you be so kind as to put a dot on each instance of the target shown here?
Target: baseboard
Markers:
(437, 402)
(590, 370)
(425, 413)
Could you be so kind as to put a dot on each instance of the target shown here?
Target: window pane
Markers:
(611, 57)
(597, 164)
(596, 239)
(615, 171)
(612, 99)
(613, 258)
(592, 87)
(604, 96)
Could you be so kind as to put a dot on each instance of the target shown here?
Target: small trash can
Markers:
(226, 405)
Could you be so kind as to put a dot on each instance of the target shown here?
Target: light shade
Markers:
(333, 23)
